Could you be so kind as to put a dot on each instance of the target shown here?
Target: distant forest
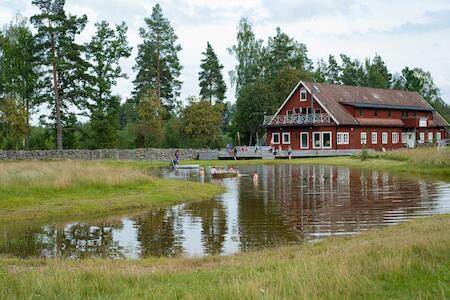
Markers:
(41, 65)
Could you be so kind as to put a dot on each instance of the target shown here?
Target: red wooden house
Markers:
(318, 116)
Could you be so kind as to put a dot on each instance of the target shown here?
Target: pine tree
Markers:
(212, 85)
(283, 51)
(56, 33)
(157, 63)
(104, 52)
(19, 69)
(333, 71)
(378, 75)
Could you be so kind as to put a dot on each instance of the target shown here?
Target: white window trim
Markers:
(342, 140)
(331, 140)
(314, 141)
(307, 140)
(288, 134)
(361, 138)
(384, 138)
(303, 92)
(421, 137)
(404, 137)
(394, 137)
(374, 137)
(430, 134)
(273, 140)
(438, 136)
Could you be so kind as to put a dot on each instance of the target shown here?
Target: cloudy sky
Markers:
(403, 32)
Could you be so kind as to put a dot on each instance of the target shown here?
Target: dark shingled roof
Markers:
(334, 97)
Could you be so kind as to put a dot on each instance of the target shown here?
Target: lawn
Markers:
(407, 261)
(31, 190)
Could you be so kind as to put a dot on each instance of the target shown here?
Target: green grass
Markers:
(44, 190)
(408, 261)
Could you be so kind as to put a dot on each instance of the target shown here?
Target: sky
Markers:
(404, 32)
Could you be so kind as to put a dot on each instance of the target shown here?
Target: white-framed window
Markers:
(303, 95)
(384, 138)
(342, 138)
(317, 143)
(374, 138)
(275, 138)
(363, 138)
(430, 137)
(394, 137)
(326, 140)
(438, 136)
(403, 137)
(421, 137)
(304, 140)
(286, 138)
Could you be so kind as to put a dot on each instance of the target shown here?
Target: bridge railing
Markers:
(296, 119)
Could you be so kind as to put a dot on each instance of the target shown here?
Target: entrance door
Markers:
(410, 140)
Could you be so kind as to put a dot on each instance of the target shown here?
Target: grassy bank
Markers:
(408, 261)
(30, 190)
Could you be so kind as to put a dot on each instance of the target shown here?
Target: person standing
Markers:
(235, 153)
(177, 156)
(202, 175)
(255, 178)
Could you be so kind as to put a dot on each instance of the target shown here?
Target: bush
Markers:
(364, 155)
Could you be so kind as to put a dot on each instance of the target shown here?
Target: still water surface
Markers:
(289, 205)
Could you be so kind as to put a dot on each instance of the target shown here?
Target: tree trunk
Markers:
(250, 139)
(158, 71)
(59, 133)
(27, 135)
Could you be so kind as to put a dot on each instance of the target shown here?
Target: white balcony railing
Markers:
(296, 119)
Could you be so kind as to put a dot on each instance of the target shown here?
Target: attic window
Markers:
(303, 94)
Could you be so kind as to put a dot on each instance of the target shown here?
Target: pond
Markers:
(290, 204)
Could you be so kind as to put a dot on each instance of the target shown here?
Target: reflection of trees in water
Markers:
(76, 240)
(160, 232)
(213, 221)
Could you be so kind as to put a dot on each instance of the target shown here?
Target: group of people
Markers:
(275, 151)
(215, 170)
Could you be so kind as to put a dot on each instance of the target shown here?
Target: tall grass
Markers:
(65, 189)
(426, 157)
(408, 261)
(64, 174)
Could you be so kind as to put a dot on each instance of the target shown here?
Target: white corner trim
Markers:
(318, 101)
(285, 101)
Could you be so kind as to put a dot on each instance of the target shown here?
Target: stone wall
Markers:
(125, 154)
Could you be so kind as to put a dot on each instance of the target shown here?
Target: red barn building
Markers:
(350, 117)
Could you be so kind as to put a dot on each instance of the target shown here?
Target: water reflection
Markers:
(290, 204)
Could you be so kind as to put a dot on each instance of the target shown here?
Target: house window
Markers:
(360, 112)
(297, 110)
(286, 138)
(375, 113)
(421, 137)
(304, 140)
(363, 138)
(326, 140)
(309, 111)
(404, 114)
(289, 113)
(303, 94)
(430, 137)
(275, 138)
(342, 138)
(317, 111)
(316, 140)
(438, 136)
(389, 114)
(384, 138)
(403, 137)
(394, 137)
(374, 138)
(415, 114)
